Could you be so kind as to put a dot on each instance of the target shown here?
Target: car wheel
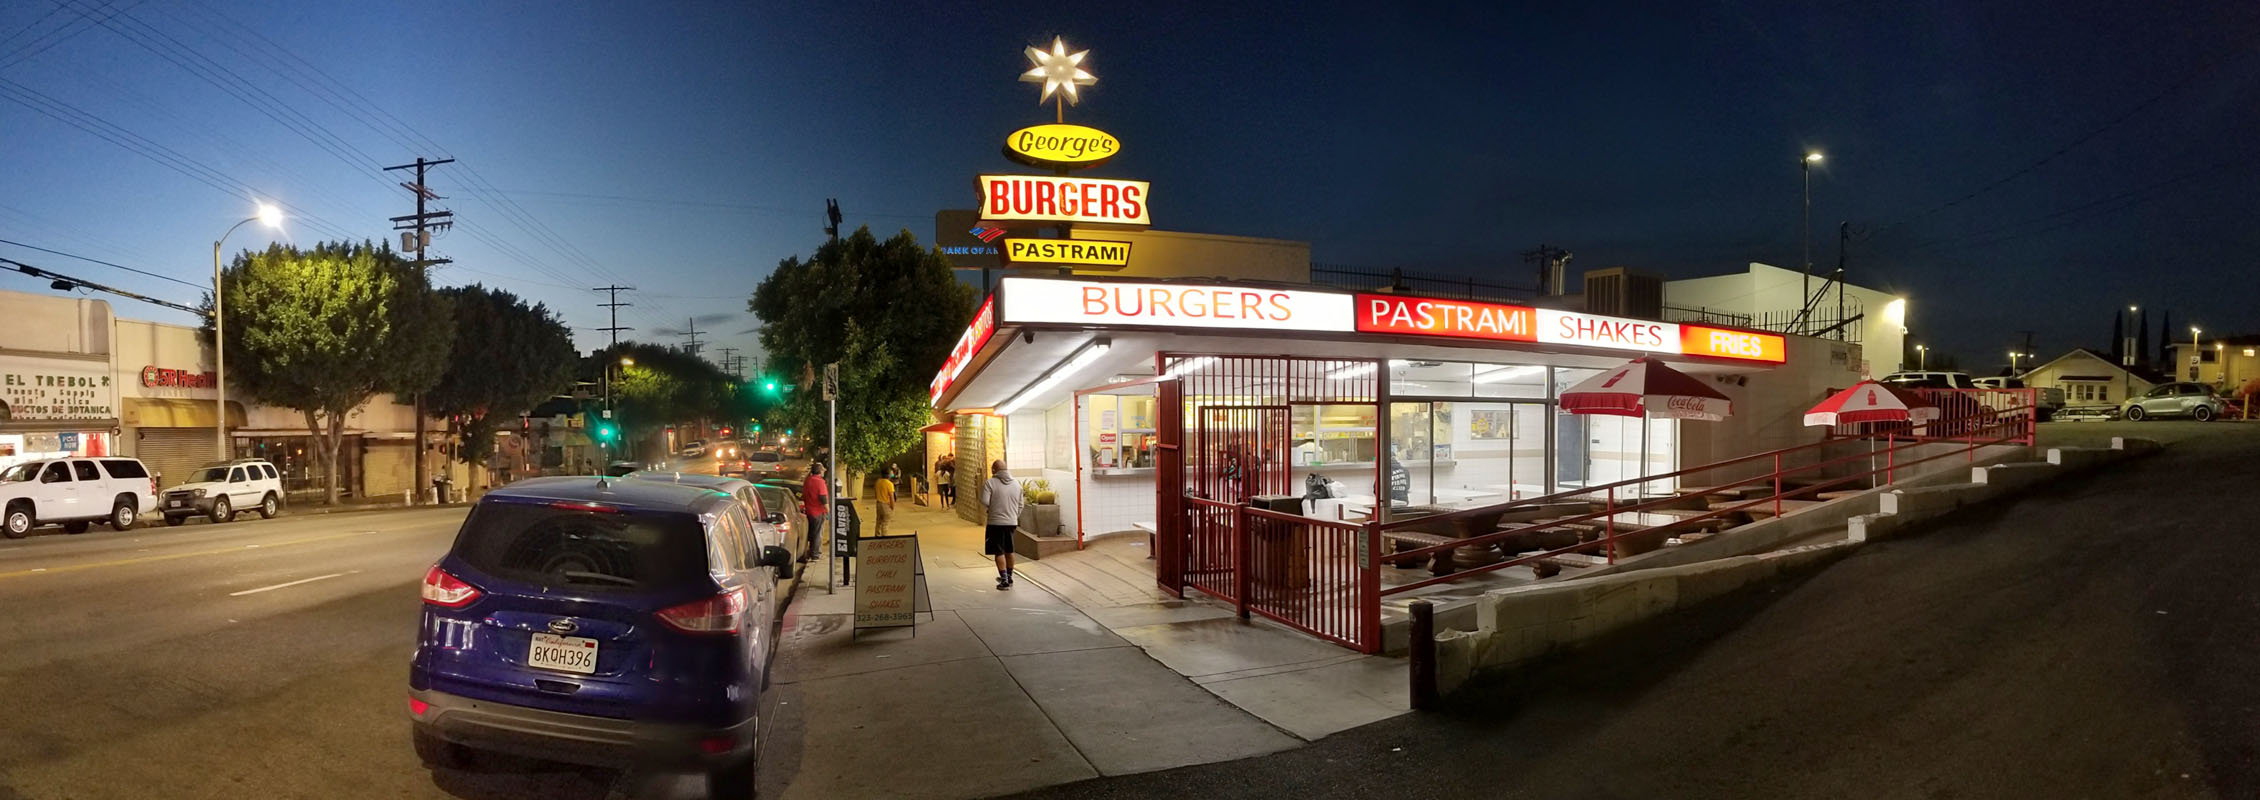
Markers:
(436, 752)
(2135, 413)
(269, 506)
(2202, 413)
(77, 526)
(734, 781)
(19, 522)
(175, 520)
(124, 516)
(221, 511)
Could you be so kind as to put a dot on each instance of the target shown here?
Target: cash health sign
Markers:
(1060, 146)
(1052, 198)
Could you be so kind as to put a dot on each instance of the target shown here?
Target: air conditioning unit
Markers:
(1624, 292)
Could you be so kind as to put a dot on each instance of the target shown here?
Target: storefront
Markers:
(1400, 401)
(57, 394)
(169, 398)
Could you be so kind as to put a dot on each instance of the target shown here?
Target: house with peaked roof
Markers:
(2088, 378)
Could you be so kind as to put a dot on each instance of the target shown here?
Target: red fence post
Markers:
(1777, 485)
(1240, 560)
(1609, 525)
(1890, 455)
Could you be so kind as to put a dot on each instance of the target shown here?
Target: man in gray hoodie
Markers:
(1002, 497)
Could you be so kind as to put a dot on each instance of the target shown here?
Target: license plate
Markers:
(177, 504)
(565, 653)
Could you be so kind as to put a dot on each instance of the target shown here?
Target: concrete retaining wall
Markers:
(1515, 626)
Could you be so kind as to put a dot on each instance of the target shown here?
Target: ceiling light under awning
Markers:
(1082, 359)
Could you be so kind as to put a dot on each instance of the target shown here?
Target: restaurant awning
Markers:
(176, 412)
(944, 428)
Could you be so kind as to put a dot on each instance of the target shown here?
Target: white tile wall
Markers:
(1113, 502)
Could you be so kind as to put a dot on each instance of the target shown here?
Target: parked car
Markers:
(221, 490)
(764, 520)
(2047, 401)
(2194, 400)
(75, 493)
(603, 621)
(784, 501)
(619, 468)
(1926, 379)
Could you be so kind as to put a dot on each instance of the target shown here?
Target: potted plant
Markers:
(1039, 514)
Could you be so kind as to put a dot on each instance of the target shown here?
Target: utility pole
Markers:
(1548, 258)
(614, 306)
(691, 347)
(417, 235)
(832, 217)
(729, 360)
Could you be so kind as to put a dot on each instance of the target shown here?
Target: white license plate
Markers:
(179, 504)
(566, 653)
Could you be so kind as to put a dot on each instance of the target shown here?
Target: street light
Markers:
(2194, 347)
(1922, 358)
(1805, 165)
(271, 217)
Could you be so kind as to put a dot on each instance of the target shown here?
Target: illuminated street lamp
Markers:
(2194, 348)
(271, 217)
(1805, 165)
(1922, 357)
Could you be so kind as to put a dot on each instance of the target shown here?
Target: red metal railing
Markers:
(1315, 576)
(1212, 547)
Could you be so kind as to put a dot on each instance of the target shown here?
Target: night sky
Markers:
(2009, 166)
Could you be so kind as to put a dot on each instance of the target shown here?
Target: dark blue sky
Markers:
(2010, 166)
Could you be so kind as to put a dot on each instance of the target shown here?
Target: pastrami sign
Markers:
(1467, 319)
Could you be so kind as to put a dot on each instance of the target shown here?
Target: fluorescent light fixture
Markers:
(1082, 360)
(1189, 366)
(1508, 374)
(1399, 363)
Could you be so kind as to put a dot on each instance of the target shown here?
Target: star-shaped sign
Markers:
(1058, 70)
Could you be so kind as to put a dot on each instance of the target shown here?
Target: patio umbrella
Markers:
(1644, 387)
(1868, 401)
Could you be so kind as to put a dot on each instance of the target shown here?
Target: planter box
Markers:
(1040, 520)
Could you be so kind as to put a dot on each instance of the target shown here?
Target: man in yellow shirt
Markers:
(885, 496)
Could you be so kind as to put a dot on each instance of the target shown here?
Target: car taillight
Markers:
(447, 591)
(718, 614)
(418, 707)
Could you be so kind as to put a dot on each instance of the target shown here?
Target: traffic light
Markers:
(757, 427)
(606, 432)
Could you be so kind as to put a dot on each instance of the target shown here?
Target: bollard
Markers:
(1421, 661)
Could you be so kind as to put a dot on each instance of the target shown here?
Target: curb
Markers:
(355, 509)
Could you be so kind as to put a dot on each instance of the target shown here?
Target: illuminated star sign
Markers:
(1058, 70)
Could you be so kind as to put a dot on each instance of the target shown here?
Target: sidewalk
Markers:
(1003, 690)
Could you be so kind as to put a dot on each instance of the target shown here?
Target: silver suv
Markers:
(220, 491)
(2194, 400)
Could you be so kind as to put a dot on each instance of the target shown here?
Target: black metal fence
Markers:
(1432, 285)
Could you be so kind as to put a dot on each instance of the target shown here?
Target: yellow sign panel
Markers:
(1061, 146)
(1067, 251)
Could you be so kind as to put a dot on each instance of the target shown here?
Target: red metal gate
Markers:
(1240, 453)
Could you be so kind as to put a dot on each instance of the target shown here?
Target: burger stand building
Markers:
(1161, 365)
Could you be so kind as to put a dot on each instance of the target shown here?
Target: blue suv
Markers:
(600, 621)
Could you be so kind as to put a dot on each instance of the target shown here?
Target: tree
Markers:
(323, 330)
(665, 386)
(507, 358)
(887, 312)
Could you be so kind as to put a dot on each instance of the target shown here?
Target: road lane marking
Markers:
(169, 556)
(287, 585)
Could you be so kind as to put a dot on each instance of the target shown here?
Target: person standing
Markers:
(1002, 497)
(945, 480)
(883, 495)
(815, 501)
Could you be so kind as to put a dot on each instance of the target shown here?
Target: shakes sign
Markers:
(1051, 198)
(1085, 252)
(1061, 146)
(1467, 319)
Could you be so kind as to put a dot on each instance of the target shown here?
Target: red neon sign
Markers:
(1420, 316)
(968, 343)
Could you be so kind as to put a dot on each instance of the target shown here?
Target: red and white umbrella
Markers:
(1645, 387)
(1868, 401)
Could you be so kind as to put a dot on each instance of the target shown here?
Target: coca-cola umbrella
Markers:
(1645, 387)
(1868, 401)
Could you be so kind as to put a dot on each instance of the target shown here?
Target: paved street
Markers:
(2094, 639)
(259, 657)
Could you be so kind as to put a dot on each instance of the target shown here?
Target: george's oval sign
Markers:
(1061, 146)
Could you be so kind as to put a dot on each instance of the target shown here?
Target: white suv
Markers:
(75, 492)
(219, 491)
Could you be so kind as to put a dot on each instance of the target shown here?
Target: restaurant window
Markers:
(1118, 431)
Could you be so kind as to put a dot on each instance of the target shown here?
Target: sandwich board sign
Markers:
(891, 591)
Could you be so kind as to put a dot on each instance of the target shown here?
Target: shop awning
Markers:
(944, 428)
(176, 412)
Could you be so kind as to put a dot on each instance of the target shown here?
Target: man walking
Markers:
(1002, 497)
(884, 496)
(815, 501)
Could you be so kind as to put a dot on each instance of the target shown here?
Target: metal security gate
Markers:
(171, 454)
(1240, 453)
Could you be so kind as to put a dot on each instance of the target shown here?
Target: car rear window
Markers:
(762, 455)
(568, 546)
(123, 468)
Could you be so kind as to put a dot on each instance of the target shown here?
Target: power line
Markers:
(105, 263)
(66, 283)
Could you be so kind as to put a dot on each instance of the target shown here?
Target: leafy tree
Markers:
(665, 386)
(507, 358)
(887, 312)
(323, 330)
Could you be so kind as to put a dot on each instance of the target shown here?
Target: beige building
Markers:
(2088, 378)
(2226, 363)
(1767, 297)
